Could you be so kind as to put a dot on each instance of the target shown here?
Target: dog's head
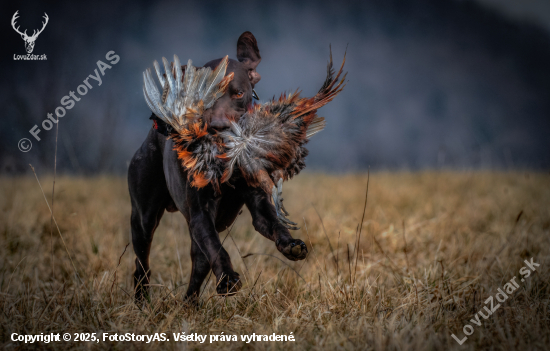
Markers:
(234, 103)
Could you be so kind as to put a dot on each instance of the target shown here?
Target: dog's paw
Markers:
(229, 284)
(294, 250)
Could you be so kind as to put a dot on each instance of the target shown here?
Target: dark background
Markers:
(432, 83)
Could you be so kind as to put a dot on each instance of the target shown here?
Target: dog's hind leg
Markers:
(143, 227)
(150, 197)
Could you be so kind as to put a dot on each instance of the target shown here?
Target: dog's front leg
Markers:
(265, 221)
(207, 245)
(199, 207)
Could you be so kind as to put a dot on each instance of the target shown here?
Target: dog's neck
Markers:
(160, 126)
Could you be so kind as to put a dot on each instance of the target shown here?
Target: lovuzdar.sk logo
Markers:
(29, 40)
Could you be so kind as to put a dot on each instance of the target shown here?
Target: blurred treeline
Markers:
(431, 83)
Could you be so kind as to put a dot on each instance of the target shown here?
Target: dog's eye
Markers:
(239, 95)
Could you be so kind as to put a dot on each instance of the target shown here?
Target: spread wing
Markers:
(187, 91)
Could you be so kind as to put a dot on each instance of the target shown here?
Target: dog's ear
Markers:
(249, 54)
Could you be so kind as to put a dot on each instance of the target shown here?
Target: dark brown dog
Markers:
(158, 183)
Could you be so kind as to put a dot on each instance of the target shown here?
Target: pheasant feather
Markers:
(271, 136)
(185, 94)
(266, 144)
(186, 91)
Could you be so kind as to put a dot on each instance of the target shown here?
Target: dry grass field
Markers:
(433, 247)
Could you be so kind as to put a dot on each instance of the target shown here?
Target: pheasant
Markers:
(266, 144)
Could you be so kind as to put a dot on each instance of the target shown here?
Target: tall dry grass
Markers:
(433, 247)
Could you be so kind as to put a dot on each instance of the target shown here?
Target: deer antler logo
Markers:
(29, 41)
